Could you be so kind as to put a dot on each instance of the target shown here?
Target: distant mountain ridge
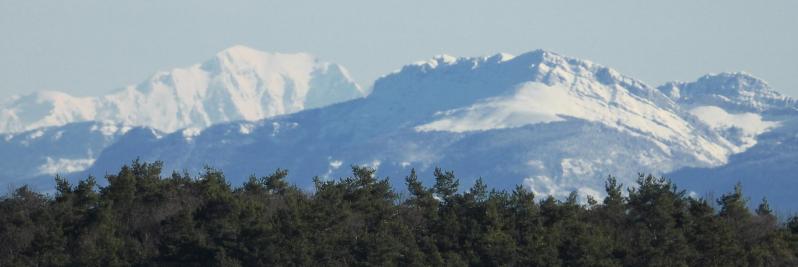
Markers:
(238, 83)
(552, 123)
(738, 92)
(36, 156)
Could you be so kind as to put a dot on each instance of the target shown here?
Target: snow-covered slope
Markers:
(747, 111)
(734, 92)
(551, 122)
(768, 169)
(239, 83)
(35, 156)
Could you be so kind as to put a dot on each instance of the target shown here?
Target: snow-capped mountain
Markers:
(744, 108)
(737, 105)
(238, 83)
(553, 123)
(734, 92)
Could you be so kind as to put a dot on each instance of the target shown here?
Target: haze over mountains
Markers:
(239, 83)
(552, 123)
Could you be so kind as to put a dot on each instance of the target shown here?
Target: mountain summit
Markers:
(239, 83)
(740, 92)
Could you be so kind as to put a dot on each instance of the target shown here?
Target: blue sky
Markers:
(93, 47)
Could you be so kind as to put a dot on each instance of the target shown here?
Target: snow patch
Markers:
(190, 133)
(740, 128)
(107, 129)
(332, 166)
(36, 135)
(534, 103)
(576, 167)
(275, 128)
(718, 118)
(58, 135)
(544, 186)
(613, 106)
(61, 165)
(335, 164)
(155, 133)
(536, 165)
(246, 128)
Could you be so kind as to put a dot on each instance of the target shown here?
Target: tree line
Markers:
(142, 218)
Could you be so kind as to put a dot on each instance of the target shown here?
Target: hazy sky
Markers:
(93, 47)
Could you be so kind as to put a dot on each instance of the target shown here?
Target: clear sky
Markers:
(93, 47)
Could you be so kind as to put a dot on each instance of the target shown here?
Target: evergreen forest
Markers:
(142, 217)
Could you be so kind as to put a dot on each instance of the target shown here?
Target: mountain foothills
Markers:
(549, 122)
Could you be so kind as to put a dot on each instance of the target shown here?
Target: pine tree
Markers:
(734, 206)
(764, 209)
(275, 182)
(445, 184)
(657, 213)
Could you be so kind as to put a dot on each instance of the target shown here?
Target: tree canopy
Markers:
(143, 218)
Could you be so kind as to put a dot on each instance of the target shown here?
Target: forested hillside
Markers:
(143, 218)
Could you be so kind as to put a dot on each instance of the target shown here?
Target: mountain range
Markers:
(239, 83)
(549, 122)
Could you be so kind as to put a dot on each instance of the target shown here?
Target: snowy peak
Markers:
(729, 84)
(238, 83)
(240, 51)
(44, 108)
(736, 82)
(241, 59)
(501, 92)
(538, 65)
(500, 57)
(501, 74)
(530, 58)
(738, 92)
(552, 67)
